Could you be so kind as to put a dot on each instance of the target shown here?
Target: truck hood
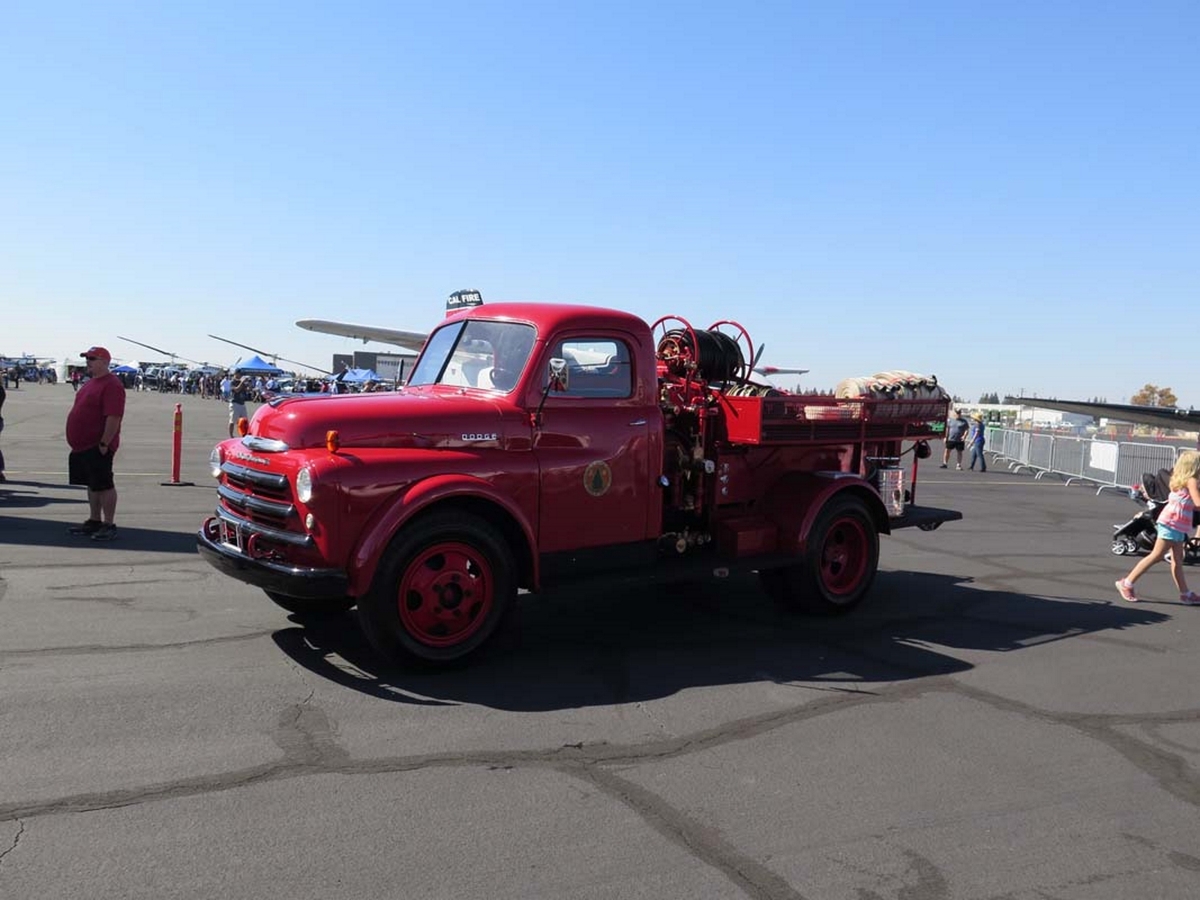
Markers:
(425, 418)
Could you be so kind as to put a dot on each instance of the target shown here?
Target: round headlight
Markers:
(304, 486)
(214, 462)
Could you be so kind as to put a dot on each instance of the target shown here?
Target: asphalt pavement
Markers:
(994, 723)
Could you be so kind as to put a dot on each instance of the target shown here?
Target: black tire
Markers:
(444, 586)
(839, 565)
(305, 606)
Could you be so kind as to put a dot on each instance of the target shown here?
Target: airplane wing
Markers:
(776, 370)
(1158, 416)
(412, 341)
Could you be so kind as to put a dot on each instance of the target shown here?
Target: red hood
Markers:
(420, 417)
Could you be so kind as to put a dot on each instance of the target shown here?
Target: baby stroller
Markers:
(1138, 534)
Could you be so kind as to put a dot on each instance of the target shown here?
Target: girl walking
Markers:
(1174, 525)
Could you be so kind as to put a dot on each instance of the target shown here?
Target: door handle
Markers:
(636, 422)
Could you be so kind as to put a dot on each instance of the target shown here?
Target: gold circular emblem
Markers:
(597, 479)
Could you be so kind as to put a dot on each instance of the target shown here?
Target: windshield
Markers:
(475, 353)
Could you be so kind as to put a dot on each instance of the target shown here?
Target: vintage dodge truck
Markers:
(535, 445)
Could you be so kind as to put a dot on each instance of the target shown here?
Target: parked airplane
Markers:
(25, 361)
(413, 341)
(1158, 416)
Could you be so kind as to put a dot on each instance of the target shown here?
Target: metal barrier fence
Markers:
(1112, 465)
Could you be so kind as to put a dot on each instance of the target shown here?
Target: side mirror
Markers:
(559, 376)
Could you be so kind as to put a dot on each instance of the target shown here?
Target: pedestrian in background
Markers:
(956, 431)
(975, 439)
(1173, 526)
(238, 397)
(94, 434)
(3, 397)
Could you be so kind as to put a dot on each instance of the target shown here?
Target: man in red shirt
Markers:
(94, 433)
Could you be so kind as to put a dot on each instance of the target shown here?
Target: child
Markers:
(1174, 523)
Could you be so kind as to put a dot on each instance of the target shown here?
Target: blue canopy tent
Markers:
(124, 370)
(360, 376)
(255, 365)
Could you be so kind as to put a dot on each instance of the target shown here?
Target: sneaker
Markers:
(1191, 598)
(105, 532)
(959, 467)
(89, 526)
(1125, 589)
(942, 466)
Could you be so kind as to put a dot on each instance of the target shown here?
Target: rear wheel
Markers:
(443, 588)
(305, 606)
(839, 565)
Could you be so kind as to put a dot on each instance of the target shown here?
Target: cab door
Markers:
(595, 445)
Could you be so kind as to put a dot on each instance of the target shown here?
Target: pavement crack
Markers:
(307, 738)
(1170, 770)
(16, 840)
(84, 649)
(705, 842)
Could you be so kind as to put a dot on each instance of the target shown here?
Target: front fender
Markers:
(413, 500)
(797, 498)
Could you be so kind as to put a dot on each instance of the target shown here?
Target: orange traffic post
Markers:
(177, 450)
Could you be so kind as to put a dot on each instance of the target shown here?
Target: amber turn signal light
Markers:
(333, 440)
(243, 426)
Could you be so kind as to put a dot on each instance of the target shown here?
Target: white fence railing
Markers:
(1116, 465)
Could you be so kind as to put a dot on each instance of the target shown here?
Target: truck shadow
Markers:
(594, 649)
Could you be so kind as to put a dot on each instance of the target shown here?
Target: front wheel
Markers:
(444, 586)
(839, 564)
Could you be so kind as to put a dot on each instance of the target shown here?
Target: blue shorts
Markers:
(1170, 534)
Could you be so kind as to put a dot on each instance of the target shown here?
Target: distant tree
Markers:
(1152, 395)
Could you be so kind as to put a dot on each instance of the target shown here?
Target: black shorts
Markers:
(91, 467)
(956, 445)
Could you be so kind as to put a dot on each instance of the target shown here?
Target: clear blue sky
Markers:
(1006, 195)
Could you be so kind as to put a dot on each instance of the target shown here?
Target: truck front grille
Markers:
(262, 497)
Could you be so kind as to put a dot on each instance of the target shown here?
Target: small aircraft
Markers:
(273, 357)
(24, 360)
(413, 341)
(1157, 416)
(768, 371)
(24, 366)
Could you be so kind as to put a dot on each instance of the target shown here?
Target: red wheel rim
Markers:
(844, 556)
(446, 594)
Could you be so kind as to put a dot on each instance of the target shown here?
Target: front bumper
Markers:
(291, 581)
(927, 518)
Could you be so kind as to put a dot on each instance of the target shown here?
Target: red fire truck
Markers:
(536, 445)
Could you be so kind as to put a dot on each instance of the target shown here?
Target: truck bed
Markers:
(819, 419)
